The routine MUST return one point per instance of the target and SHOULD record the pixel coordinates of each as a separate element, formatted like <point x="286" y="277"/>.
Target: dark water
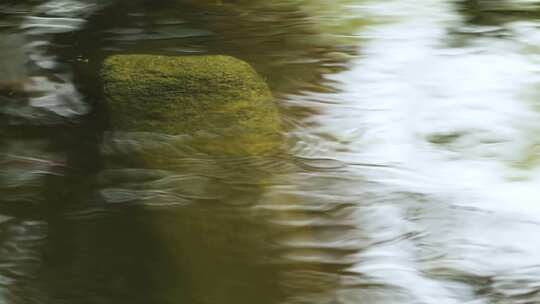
<point x="410" y="171"/>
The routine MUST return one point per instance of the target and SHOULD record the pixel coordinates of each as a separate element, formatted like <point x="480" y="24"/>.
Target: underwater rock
<point x="14" y="74"/>
<point x="218" y="95"/>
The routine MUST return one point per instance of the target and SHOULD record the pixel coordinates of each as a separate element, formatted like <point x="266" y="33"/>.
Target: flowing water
<point x="410" y="171"/>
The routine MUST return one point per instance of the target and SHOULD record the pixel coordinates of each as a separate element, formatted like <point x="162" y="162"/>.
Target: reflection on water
<point x="409" y="175"/>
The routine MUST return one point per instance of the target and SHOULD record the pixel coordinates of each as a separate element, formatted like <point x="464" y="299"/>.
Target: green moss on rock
<point x="220" y="95"/>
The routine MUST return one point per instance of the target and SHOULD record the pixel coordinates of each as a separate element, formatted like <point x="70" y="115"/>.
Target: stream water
<point x="410" y="173"/>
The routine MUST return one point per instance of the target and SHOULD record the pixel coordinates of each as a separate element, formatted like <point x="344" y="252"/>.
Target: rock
<point x="218" y="95"/>
<point x="197" y="95"/>
<point x="13" y="61"/>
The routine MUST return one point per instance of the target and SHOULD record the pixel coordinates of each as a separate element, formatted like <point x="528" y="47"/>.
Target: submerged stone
<point x="219" y="97"/>
<point x="13" y="63"/>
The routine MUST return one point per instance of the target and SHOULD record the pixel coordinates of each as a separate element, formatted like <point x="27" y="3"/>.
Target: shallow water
<point x="409" y="173"/>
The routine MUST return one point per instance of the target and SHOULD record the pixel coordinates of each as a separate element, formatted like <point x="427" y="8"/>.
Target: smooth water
<point x="410" y="171"/>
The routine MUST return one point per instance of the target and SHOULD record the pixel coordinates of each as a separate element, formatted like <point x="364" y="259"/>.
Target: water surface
<point x="409" y="173"/>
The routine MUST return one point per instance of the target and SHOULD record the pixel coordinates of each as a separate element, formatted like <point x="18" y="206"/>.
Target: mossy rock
<point x="195" y="95"/>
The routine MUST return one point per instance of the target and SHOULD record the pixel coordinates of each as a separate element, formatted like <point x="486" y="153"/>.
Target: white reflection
<point x="445" y="120"/>
<point x="51" y="87"/>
